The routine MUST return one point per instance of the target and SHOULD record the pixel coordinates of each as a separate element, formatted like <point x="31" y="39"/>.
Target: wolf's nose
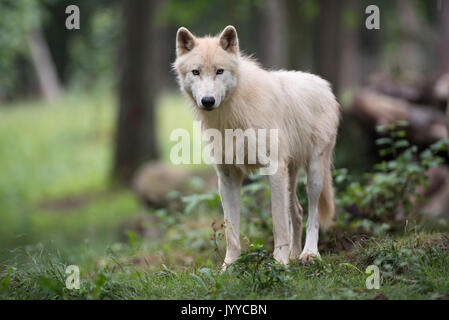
<point x="208" y="102"/>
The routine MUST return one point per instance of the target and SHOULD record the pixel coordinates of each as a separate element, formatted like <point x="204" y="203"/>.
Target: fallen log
<point x="426" y="125"/>
<point x="432" y="90"/>
<point x="420" y="92"/>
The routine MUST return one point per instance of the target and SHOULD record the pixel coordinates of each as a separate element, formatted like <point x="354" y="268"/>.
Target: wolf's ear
<point x="229" y="40"/>
<point x="185" y="41"/>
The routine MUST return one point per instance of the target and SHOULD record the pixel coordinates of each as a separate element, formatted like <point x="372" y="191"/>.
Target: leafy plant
<point x="211" y="199"/>
<point x="392" y="190"/>
<point x="258" y="270"/>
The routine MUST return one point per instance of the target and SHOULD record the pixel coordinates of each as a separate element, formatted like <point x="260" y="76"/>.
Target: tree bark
<point x="443" y="46"/>
<point x="410" y="58"/>
<point x="327" y="45"/>
<point x="349" y="70"/>
<point x="274" y="34"/>
<point x="298" y="34"/>
<point x="44" y="65"/>
<point x="136" y="134"/>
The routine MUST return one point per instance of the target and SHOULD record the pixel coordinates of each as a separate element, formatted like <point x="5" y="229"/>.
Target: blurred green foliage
<point x="218" y="12"/>
<point x="393" y="192"/>
<point x="16" y="18"/>
<point x="93" y="55"/>
<point x="84" y="58"/>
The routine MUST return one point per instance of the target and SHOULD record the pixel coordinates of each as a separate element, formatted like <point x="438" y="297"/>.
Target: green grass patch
<point x="419" y="272"/>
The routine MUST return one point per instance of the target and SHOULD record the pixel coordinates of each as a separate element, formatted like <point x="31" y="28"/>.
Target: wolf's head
<point x="207" y="67"/>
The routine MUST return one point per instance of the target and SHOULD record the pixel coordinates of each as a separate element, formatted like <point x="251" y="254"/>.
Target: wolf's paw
<point x="295" y="254"/>
<point x="281" y="255"/>
<point x="224" y="267"/>
<point x="309" y="257"/>
<point x="227" y="263"/>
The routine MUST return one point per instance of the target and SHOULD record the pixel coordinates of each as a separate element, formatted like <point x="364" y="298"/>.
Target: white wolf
<point x="228" y="90"/>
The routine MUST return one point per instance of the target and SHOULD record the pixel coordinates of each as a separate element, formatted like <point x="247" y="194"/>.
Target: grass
<point x="419" y="272"/>
<point x="57" y="209"/>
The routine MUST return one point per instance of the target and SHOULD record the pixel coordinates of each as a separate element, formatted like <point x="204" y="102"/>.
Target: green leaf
<point x="207" y="273"/>
<point x="199" y="281"/>
<point x="401" y="144"/>
<point x="383" y="141"/>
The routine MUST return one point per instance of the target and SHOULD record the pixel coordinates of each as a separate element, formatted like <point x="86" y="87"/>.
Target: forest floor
<point x="57" y="208"/>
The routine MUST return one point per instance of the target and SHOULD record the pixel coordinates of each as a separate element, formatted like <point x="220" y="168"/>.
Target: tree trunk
<point x="327" y="45"/>
<point x="44" y="65"/>
<point x="274" y="34"/>
<point x="410" y="59"/>
<point x="297" y="36"/>
<point x="443" y="47"/>
<point x="136" y="134"/>
<point x="349" y="71"/>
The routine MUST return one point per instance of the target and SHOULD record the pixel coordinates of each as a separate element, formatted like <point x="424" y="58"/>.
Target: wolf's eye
<point x="219" y="71"/>
<point x="196" y="72"/>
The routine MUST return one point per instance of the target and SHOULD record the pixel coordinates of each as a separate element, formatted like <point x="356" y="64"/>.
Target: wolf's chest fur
<point x="240" y="142"/>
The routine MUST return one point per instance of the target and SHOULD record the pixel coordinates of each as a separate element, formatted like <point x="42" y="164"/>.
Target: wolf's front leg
<point x="229" y="184"/>
<point x="280" y="210"/>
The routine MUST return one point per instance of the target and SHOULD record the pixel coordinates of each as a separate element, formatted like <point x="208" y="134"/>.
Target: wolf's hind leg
<point x="295" y="214"/>
<point x="314" y="187"/>
<point x="229" y="184"/>
<point x="279" y="208"/>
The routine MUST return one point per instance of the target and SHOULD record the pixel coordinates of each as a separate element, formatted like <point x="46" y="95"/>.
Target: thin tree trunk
<point x="443" y="46"/>
<point x="443" y="49"/>
<point x="44" y="65"/>
<point x="274" y="34"/>
<point x="411" y="58"/>
<point x="327" y="45"/>
<point x="349" y="70"/>
<point x="297" y="35"/>
<point x="136" y="134"/>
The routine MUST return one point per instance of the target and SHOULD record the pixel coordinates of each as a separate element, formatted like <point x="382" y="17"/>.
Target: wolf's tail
<point x="326" y="210"/>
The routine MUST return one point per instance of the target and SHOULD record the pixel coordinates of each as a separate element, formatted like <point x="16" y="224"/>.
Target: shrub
<point x="391" y="191"/>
